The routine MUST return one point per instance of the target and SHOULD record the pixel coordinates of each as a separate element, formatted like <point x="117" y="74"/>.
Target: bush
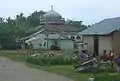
<point x="33" y="60"/>
<point x="59" y="60"/>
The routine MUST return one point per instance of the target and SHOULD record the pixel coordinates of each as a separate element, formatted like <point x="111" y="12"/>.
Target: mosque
<point x="53" y="31"/>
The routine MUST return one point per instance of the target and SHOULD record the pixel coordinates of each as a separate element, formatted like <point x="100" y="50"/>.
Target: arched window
<point x="72" y="37"/>
<point x="78" y="37"/>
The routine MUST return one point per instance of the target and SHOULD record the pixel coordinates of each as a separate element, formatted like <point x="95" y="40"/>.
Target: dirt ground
<point x="15" y="71"/>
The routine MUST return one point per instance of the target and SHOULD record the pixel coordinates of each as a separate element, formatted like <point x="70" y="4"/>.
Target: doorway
<point x="96" y="45"/>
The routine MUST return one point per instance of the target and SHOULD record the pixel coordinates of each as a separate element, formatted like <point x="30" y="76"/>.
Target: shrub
<point x="58" y="60"/>
<point x="33" y="60"/>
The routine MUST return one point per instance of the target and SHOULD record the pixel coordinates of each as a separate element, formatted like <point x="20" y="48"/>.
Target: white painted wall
<point x="37" y="40"/>
<point x="67" y="44"/>
<point x="40" y="35"/>
<point x="64" y="44"/>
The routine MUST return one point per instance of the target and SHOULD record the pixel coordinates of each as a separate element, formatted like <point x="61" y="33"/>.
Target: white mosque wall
<point x="39" y="42"/>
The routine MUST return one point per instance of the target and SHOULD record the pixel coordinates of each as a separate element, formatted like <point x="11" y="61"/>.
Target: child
<point x="95" y="64"/>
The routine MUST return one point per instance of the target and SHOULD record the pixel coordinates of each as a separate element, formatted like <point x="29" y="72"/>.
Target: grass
<point x="14" y="55"/>
<point x="104" y="77"/>
<point x="69" y="72"/>
<point x="66" y="70"/>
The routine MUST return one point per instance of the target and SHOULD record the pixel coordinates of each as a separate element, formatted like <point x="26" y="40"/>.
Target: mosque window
<point x="78" y="37"/>
<point x="72" y="37"/>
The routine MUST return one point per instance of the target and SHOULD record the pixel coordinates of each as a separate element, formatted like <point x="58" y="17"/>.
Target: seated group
<point x="105" y="56"/>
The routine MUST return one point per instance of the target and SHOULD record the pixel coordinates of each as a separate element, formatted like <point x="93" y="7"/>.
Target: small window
<point x="72" y="37"/>
<point x="55" y="42"/>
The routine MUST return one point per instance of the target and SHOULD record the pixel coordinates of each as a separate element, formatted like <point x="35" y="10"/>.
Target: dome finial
<point x="51" y="7"/>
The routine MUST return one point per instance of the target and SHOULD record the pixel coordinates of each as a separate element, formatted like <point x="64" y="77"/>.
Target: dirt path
<point x="14" y="71"/>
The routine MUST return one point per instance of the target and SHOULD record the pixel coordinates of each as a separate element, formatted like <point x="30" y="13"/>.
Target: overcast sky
<point x="89" y="11"/>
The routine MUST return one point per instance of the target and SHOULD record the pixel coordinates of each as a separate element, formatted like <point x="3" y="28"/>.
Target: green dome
<point x="52" y="15"/>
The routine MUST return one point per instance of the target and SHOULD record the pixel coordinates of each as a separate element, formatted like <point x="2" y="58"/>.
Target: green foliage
<point x="13" y="29"/>
<point x="78" y="24"/>
<point x="14" y="55"/>
<point x="59" y="60"/>
<point x="34" y="18"/>
<point x="66" y="70"/>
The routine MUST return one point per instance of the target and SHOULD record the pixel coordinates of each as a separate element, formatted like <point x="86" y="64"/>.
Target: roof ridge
<point x="111" y="18"/>
<point x="103" y="27"/>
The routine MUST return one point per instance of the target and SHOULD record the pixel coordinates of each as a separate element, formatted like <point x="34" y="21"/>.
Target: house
<point x="104" y="35"/>
<point x="53" y="31"/>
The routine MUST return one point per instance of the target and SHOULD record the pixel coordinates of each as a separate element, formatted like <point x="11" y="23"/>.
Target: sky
<point x="88" y="11"/>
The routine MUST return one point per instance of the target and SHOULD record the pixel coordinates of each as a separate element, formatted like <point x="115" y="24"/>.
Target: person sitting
<point x="104" y="56"/>
<point x="81" y="57"/>
<point x="111" y="56"/>
<point x="84" y="55"/>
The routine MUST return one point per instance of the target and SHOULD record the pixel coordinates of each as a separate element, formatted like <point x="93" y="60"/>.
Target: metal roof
<point x="104" y="27"/>
<point x="64" y="29"/>
<point x="55" y="36"/>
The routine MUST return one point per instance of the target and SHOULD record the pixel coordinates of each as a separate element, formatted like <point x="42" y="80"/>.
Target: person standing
<point x="95" y="64"/>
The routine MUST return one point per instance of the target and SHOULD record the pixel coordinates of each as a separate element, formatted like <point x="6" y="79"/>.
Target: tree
<point x="78" y="24"/>
<point x="34" y="18"/>
<point x="13" y="29"/>
<point x="5" y="35"/>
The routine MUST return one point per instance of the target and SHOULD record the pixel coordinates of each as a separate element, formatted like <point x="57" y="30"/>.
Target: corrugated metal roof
<point x="64" y="27"/>
<point x="56" y="28"/>
<point x="35" y="29"/>
<point x="103" y="28"/>
<point x="55" y="36"/>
